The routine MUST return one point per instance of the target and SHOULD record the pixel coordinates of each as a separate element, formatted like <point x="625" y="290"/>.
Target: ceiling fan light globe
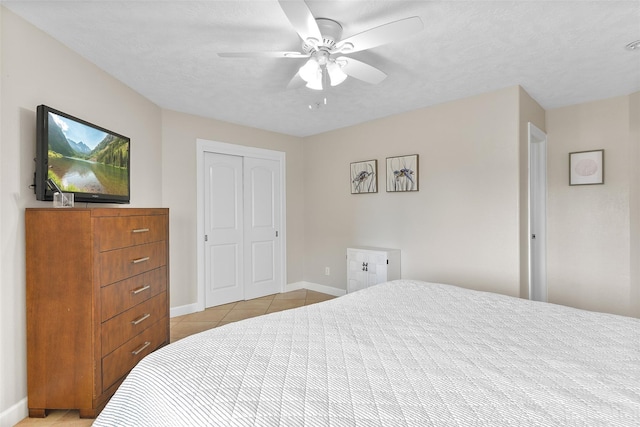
<point x="315" y="85"/>
<point x="336" y="75"/>
<point x="309" y="71"/>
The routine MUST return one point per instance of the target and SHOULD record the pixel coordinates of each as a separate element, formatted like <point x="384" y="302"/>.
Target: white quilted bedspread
<point x="403" y="353"/>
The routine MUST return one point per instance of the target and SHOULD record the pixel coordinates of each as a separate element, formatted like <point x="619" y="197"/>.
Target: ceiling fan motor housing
<point x="331" y="32"/>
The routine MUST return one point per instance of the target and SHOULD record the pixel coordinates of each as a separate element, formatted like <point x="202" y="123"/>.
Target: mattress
<point x="402" y="353"/>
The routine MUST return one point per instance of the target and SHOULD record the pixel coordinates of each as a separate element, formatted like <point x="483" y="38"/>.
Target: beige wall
<point x="589" y="227"/>
<point x="179" y="134"/>
<point x="461" y="227"/>
<point x="38" y="70"/>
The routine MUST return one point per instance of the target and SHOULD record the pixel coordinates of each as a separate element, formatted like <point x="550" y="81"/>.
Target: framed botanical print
<point x="364" y="177"/>
<point x="402" y="173"/>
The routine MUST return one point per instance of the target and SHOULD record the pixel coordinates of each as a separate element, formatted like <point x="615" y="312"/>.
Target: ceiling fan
<point x="325" y="50"/>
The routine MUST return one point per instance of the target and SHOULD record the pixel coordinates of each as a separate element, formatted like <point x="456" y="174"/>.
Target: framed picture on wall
<point x="364" y="177"/>
<point x="586" y="167"/>
<point x="402" y="173"/>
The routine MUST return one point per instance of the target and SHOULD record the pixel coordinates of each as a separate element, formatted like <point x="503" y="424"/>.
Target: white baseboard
<point x="181" y="310"/>
<point x="14" y="414"/>
<point x="330" y="290"/>
<point x="195" y="307"/>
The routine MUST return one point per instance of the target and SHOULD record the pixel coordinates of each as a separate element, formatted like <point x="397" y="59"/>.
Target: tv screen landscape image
<point x="81" y="158"/>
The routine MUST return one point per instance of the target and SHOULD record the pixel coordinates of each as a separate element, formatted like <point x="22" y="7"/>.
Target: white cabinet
<point x="367" y="266"/>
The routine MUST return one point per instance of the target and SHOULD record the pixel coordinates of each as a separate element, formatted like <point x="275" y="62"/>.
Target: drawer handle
<point x="142" y="347"/>
<point x="140" y="319"/>
<point x="142" y="289"/>
<point x="139" y="260"/>
<point x="140" y="230"/>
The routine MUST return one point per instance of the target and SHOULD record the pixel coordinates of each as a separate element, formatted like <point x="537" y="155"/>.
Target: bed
<point x="402" y="353"/>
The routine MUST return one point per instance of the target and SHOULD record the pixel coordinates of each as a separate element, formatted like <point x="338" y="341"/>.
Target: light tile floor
<point x="190" y="324"/>
<point x="221" y="315"/>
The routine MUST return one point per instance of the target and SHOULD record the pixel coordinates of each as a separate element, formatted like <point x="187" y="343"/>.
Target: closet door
<point x="242" y="213"/>
<point x="262" y="216"/>
<point x="224" y="223"/>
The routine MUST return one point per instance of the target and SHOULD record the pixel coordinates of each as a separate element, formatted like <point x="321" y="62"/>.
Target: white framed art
<point x="586" y="167"/>
<point x="364" y="177"/>
<point x="402" y="173"/>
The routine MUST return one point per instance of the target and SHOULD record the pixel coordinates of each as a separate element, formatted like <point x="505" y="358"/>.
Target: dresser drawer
<point x="121" y="361"/>
<point x="121" y="232"/>
<point x="123" y="295"/>
<point x="125" y="326"/>
<point x="121" y="264"/>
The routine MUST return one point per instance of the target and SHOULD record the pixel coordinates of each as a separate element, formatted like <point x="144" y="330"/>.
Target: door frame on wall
<point x="203" y="146"/>
<point x="537" y="190"/>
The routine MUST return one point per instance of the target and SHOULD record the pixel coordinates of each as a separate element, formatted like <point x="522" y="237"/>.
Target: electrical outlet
<point x="327" y="271"/>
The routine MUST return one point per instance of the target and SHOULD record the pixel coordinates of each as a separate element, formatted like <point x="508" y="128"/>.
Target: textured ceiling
<point x="560" y="52"/>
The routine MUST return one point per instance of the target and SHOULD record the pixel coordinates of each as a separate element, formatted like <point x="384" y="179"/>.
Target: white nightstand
<point x="368" y="266"/>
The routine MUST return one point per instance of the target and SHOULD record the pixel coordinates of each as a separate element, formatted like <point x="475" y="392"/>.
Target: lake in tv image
<point x="85" y="159"/>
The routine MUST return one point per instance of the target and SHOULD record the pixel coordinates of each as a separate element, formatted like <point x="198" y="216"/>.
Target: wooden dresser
<point x="97" y="302"/>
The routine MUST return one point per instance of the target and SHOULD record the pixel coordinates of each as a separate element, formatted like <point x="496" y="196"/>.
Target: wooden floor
<point x="190" y="324"/>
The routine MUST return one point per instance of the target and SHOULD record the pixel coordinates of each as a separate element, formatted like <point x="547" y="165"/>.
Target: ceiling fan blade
<point x="263" y="55"/>
<point x="301" y="18"/>
<point x="387" y="33"/>
<point x="361" y="71"/>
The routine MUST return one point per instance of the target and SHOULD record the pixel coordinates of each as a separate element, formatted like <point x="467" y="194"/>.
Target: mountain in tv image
<point x="87" y="160"/>
<point x="79" y="147"/>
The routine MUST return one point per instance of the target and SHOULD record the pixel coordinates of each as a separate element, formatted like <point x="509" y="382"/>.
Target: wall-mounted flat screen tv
<point x="81" y="158"/>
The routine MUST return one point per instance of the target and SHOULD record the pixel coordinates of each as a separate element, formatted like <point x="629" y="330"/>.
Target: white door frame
<point x="537" y="218"/>
<point x="202" y="146"/>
